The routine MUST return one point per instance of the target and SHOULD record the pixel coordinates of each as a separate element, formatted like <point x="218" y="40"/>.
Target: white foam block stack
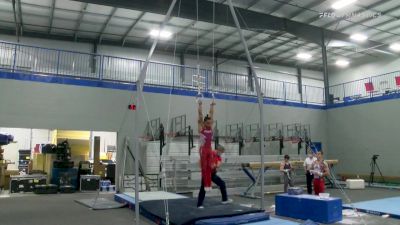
<point x="355" y="184"/>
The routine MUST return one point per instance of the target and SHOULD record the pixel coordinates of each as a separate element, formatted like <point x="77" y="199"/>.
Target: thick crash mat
<point x="185" y="212"/>
<point x="241" y="219"/>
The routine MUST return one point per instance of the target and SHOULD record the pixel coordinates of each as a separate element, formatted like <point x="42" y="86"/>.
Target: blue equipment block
<point x="5" y="139"/>
<point x="70" y="174"/>
<point x="309" y="207"/>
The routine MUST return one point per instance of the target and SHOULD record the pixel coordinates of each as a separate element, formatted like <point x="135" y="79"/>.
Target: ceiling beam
<point x="132" y="27"/>
<point x="103" y="28"/>
<point x="205" y="33"/>
<point x="188" y="11"/>
<point x="258" y="21"/>
<point x="214" y="43"/>
<point x="278" y="34"/>
<point x="183" y="30"/>
<point x="220" y="40"/>
<point x="53" y="6"/>
<point x="270" y="37"/>
<point x="278" y="7"/>
<point x="252" y="3"/>
<point x="79" y="21"/>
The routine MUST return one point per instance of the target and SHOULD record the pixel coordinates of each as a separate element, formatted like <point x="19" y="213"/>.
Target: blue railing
<point x="54" y="62"/>
<point x="383" y="85"/>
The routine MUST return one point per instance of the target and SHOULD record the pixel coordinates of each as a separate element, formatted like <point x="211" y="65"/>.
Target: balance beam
<point x="276" y="165"/>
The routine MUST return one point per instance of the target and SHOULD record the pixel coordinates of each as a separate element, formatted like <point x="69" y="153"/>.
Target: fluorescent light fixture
<point x="304" y="56"/>
<point x="395" y="47"/>
<point x="164" y="34"/>
<point x="342" y="3"/>
<point x="342" y="63"/>
<point x="359" y="37"/>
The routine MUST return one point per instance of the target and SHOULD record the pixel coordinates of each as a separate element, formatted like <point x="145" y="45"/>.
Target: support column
<point x="325" y="68"/>
<point x="182" y="63"/>
<point x="300" y="83"/>
<point x="259" y="97"/>
<point x="216" y="68"/>
<point x="93" y="58"/>
<point x="250" y="79"/>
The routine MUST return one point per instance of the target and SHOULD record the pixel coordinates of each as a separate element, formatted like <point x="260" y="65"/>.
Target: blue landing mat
<point x="386" y="206"/>
<point x="236" y="216"/>
<point x="274" y="221"/>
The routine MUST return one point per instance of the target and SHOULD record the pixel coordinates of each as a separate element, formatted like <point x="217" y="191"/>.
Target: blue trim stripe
<point x="366" y="100"/>
<point x="68" y="80"/>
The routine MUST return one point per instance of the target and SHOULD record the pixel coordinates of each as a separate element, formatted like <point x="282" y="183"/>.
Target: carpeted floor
<point x="61" y="209"/>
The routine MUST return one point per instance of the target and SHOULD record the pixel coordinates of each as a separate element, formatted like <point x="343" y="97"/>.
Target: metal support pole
<point x="325" y="67"/>
<point x="250" y="79"/>
<point x="299" y="83"/>
<point x="216" y="68"/>
<point x="15" y="57"/>
<point x="139" y="92"/>
<point x="182" y="73"/>
<point x="93" y="58"/>
<point x="58" y="61"/>
<point x="259" y="95"/>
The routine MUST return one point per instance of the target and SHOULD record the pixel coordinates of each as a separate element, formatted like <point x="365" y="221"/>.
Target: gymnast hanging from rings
<point x="210" y="160"/>
<point x="206" y="134"/>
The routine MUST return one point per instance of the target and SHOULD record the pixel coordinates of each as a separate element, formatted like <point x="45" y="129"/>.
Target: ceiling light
<point x="342" y="3"/>
<point x="164" y="34"/>
<point x="342" y="63"/>
<point x="395" y="47"/>
<point x="359" y="37"/>
<point x="304" y="56"/>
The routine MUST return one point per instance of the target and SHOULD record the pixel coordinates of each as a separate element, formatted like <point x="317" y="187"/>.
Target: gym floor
<point x="62" y="210"/>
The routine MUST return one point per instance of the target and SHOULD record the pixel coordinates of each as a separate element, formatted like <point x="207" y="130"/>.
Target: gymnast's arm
<point x="327" y="170"/>
<point x="200" y="116"/>
<point x="211" y="113"/>
<point x="282" y="166"/>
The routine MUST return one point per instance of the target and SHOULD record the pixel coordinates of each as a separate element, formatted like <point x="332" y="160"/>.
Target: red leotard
<point x="206" y="156"/>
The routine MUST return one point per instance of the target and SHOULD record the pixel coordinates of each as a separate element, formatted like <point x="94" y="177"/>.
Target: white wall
<point x="358" y="132"/>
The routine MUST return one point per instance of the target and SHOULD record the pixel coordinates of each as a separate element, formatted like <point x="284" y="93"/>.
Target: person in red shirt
<point x="217" y="161"/>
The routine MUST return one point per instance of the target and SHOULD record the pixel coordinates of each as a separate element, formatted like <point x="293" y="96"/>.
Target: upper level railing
<point x="24" y="58"/>
<point x="366" y="88"/>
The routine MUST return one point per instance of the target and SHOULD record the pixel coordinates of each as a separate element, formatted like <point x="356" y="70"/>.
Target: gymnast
<point x="205" y="150"/>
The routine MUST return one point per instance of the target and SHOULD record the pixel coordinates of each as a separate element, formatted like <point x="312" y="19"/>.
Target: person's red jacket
<point x="216" y="161"/>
